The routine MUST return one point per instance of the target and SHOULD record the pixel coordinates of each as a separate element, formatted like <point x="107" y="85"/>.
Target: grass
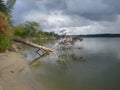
<point x="4" y="42"/>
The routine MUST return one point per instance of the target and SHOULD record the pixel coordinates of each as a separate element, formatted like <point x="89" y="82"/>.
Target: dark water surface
<point x="95" y="67"/>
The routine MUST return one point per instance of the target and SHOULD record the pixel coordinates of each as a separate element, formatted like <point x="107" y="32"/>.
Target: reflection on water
<point x="67" y="55"/>
<point x="95" y="67"/>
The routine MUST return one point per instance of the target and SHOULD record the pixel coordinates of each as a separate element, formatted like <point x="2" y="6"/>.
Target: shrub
<point x="20" y="31"/>
<point x="5" y="34"/>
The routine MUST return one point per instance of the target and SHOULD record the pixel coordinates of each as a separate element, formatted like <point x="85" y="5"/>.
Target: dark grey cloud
<point x="90" y="9"/>
<point x="94" y="9"/>
<point x="68" y="13"/>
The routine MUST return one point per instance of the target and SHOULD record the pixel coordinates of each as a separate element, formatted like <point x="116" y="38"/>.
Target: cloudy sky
<point x="76" y="16"/>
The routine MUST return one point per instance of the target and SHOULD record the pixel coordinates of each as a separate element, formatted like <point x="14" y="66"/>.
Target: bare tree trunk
<point x="32" y="44"/>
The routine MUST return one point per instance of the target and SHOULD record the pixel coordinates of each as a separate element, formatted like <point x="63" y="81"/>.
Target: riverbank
<point x="13" y="67"/>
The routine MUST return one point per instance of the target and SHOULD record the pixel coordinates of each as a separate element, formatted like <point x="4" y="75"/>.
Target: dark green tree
<point x="9" y="5"/>
<point x="3" y="7"/>
<point x="6" y="8"/>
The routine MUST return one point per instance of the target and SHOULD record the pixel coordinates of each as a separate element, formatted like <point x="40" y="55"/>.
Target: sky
<point x="75" y="16"/>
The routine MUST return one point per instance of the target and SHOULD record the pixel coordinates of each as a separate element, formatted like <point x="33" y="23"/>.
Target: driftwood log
<point x="32" y="44"/>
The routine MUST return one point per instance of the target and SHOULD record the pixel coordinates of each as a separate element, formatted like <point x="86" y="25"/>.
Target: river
<point x="94" y="67"/>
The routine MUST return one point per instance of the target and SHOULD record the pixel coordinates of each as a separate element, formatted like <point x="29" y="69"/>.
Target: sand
<point x="13" y="67"/>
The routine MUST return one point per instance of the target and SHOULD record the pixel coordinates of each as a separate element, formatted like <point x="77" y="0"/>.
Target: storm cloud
<point x="82" y="16"/>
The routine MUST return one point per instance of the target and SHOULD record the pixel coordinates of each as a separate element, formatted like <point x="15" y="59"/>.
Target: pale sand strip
<point x="12" y="70"/>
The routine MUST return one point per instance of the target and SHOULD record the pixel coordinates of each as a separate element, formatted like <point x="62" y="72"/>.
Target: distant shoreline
<point x="96" y="35"/>
<point x="101" y="35"/>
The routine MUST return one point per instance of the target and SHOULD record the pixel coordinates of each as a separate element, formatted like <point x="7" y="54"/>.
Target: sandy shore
<point x="12" y="70"/>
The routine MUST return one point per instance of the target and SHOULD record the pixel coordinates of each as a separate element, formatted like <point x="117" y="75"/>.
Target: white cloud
<point x="90" y="29"/>
<point x="58" y="19"/>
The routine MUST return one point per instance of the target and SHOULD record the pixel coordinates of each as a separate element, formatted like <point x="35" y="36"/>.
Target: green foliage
<point x="20" y="31"/>
<point x="31" y="29"/>
<point x="6" y="10"/>
<point x="5" y="34"/>
<point x="5" y="31"/>
<point x="3" y="7"/>
<point x="26" y="30"/>
<point x="4" y="42"/>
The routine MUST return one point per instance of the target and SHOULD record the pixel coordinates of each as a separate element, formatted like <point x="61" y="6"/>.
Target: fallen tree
<point x="32" y="44"/>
